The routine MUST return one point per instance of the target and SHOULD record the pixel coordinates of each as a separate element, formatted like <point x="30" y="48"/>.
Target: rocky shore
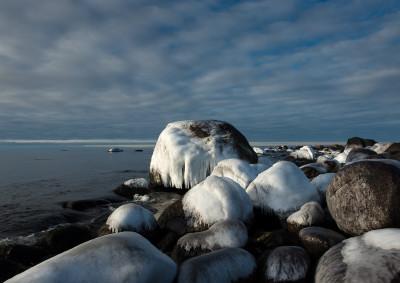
<point x="217" y="210"/>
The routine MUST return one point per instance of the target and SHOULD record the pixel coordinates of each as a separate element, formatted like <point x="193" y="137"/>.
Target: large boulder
<point x="282" y="189"/>
<point x="317" y="240"/>
<point x="226" y="265"/>
<point x="359" y="142"/>
<point x="372" y="257"/>
<point x="365" y="196"/>
<point x="187" y="151"/>
<point x="122" y="257"/>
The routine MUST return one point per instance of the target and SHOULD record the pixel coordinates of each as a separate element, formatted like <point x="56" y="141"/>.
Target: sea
<point x="38" y="177"/>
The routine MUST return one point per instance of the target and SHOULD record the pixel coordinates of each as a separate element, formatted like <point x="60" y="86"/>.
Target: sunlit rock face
<point x="187" y="151"/>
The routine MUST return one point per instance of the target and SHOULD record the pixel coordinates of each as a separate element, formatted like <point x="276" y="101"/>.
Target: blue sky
<point x="276" y="70"/>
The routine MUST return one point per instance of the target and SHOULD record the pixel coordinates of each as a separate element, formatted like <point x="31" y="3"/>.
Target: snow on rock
<point x="239" y="170"/>
<point x="310" y="214"/>
<point x="381" y="147"/>
<point x="187" y="151"/>
<point x="282" y="189"/>
<point x="372" y="257"/>
<point x="226" y="265"/>
<point x="341" y="158"/>
<point x="306" y="152"/>
<point x="137" y="183"/>
<point x="321" y="183"/>
<point x="223" y="234"/>
<point x="131" y="217"/>
<point x="122" y="257"/>
<point x="258" y="150"/>
<point x="216" y="199"/>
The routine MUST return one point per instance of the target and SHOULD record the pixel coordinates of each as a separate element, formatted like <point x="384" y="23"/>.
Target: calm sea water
<point x="35" y="180"/>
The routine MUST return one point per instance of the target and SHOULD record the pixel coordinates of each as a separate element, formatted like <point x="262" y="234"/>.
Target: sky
<point x="276" y="70"/>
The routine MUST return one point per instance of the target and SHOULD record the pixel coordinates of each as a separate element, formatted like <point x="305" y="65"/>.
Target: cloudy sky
<point x="277" y="70"/>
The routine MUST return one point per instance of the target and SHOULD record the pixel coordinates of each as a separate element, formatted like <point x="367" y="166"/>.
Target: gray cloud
<point x="124" y="69"/>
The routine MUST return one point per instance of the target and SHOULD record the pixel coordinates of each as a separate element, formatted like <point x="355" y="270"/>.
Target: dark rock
<point x="168" y="242"/>
<point x="128" y="192"/>
<point x="226" y="265"/>
<point x="317" y="240"/>
<point x="280" y="238"/>
<point x="226" y="138"/>
<point x="360" y="153"/>
<point x="23" y="254"/>
<point x="372" y="257"/>
<point x="359" y="142"/>
<point x="9" y="269"/>
<point x="394" y="156"/>
<point x="64" y="238"/>
<point x="329" y="165"/>
<point x="336" y="147"/>
<point x="365" y="196"/>
<point x="312" y="170"/>
<point x="81" y="205"/>
<point x="393" y="148"/>
<point x="173" y="218"/>
<point x="283" y="264"/>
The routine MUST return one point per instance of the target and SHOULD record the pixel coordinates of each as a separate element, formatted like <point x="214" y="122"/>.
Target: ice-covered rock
<point x="306" y="152"/>
<point x="223" y="234"/>
<point x="216" y="199"/>
<point x="131" y="187"/>
<point x="341" y="157"/>
<point x="372" y="257"/>
<point x="321" y="183"/>
<point x="137" y="183"/>
<point x="239" y="171"/>
<point x="226" y="265"/>
<point x="282" y="189"/>
<point x="131" y="217"/>
<point x="187" y="151"/>
<point x="317" y="240"/>
<point x="365" y="196"/>
<point x="258" y="150"/>
<point x="312" y="170"/>
<point x="310" y="214"/>
<point x="122" y="257"/>
<point x="359" y="153"/>
<point x="284" y="264"/>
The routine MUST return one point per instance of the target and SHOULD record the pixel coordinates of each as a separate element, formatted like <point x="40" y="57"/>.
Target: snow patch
<point x="131" y="217"/>
<point x="321" y="183"/>
<point x="223" y="234"/>
<point x="306" y="152"/>
<point x="216" y="199"/>
<point x="341" y="158"/>
<point x="386" y="239"/>
<point x="380" y="147"/>
<point x="283" y="189"/>
<point x="238" y="170"/>
<point x="122" y="257"/>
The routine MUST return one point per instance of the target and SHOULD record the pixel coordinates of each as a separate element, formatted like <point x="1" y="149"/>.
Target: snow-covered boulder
<point x="321" y="183"/>
<point x="282" y="189"/>
<point x="258" y="150"/>
<point x="284" y="264"/>
<point x="239" y="170"/>
<point x="365" y="196"/>
<point x="359" y="153"/>
<point x="372" y="257"/>
<point x="223" y="234"/>
<point x="122" y="257"/>
<point x="187" y="151"/>
<point x="310" y="214"/>
<point x="216" y="199"/>
<point x="306" y="152"/>
<point x="317" y="240"/>
<point x="226" y="265"/>
<point x="131" y="217"/>
<point x="131" y="187"/>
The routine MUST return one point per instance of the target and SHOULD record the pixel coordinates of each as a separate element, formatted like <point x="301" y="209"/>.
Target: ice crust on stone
<point x="306" y="152"/>
<point x="122" y="257"/>
<point x="183" y="160"/>
<point x="216" y="199"/>
<point x="258" y="150"/>
<point x="282" y="189"/>
<point x="321" y="183"/>
<point x="137" y="183"/>
<point x="238" y="170"/>
<point x="309" y="214"/>
<point x="223" y="234"/>
<point x="372" y="257"/>
<point x="226" y="265"/>
<point x="131" y="217"/>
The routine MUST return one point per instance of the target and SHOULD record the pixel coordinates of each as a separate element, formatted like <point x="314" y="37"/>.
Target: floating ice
<point x="238" y="170"/>
<point x="306" y="152"/>
<point x="131" y="217"/>
<point x="223" y="234"/>
<point x="283" y="189"/>
<point x="216" y="199"/>
<point x="122" y="257"/>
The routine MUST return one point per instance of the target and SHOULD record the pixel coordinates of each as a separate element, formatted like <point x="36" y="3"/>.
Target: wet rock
<point x="317" y="240"/>
<point x="9" y="269"/>
<point x="22" y="254"/>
